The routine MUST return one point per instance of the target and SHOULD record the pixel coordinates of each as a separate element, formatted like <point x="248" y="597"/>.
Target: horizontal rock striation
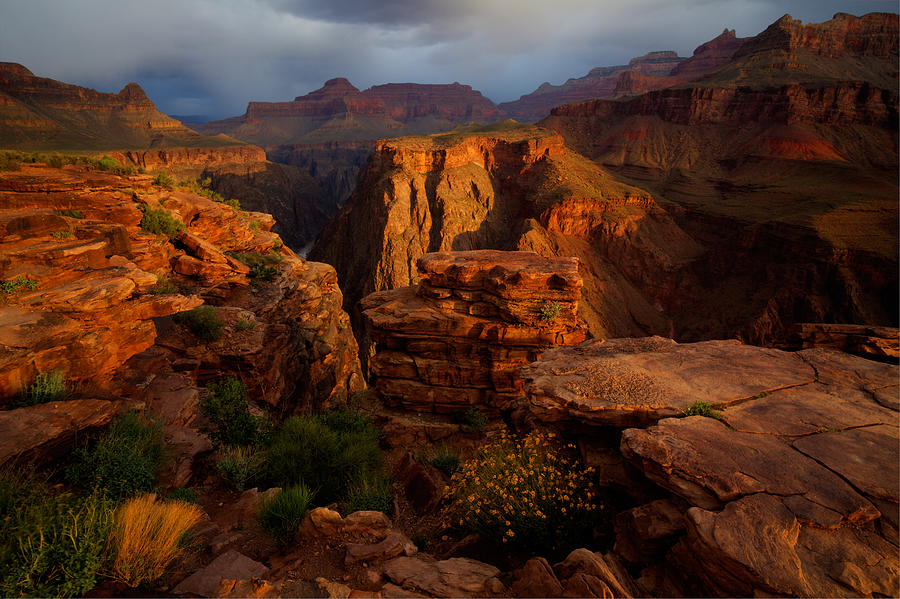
<point x="457" y="339"/>
<point x="788" y="487"/>
<point x="95" y="306"/>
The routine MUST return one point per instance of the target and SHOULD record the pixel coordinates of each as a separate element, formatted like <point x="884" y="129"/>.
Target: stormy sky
<point x="211" y="57"/>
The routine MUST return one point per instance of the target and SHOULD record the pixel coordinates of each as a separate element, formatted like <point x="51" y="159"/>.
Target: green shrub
<point x="373" y="492"/>
<point x="164" y="179"/>
<point x="10" y="161"/>
<point x="122" y="462"/>
<point x="446" y="462"/>
<point x="472" y="420"/>
<point x="701" y="408"/>
<point x="17" y="284"/>
<point x="234" y="203"/>
<point x="262" y="266"/>
<point x="239" y="466"/>
<point x="549" y="311"/>
<point x="525" y="493"/>
<point x="65" y="234"/>
<point x="165" y="286"/>
<point x="47" y="386"/>
<point x="203" y="321"/>
<point x="51" y="545"/>
<point x="281" y="515"/>
<point x="244" y="325"/>
<point x="228" y="411"/>
<point x="254" y="225"/>
<point x="306" y="449"/>
<point x="184" y="494"/>
<point x="161" y="223"/>
<point x="70" y="213"/>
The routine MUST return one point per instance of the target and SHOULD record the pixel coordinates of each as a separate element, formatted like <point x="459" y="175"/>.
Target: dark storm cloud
<point x="213" y="56"/>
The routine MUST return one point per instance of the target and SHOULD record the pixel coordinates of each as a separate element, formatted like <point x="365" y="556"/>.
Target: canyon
<point x="683" y="280"/>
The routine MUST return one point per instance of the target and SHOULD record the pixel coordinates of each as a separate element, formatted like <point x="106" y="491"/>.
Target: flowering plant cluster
<point x="530" y="493"/>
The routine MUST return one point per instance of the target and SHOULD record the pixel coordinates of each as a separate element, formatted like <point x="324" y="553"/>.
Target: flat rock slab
<point x="41" y="433"/>
<point x="454" y="577"/>
<point x="633" y="382"/>
<point x="231" y="565"/>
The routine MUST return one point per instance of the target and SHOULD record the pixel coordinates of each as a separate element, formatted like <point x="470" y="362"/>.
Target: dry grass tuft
<point x="147" y="535"/>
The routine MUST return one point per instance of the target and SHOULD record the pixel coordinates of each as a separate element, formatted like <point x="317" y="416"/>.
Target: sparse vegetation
<point x="70" y="213"/>
<point x="244" y="325"/>
<point x="701" y="408"/>
<point x="239" y="465"/>
<point x="472" y="420"/>
<point x="262" y="266"/>
<point x="254" y="225"/>
<point x="165" y="286"/>
<point x="282" y="514"/>
<point x="203" y="321"/>
<point x="526" y="493"/>
<point x="444" y="460"/>
<point x="550" y="311"/>
<point x="51" y="544"/>
<point x="64" y="234"/>
<point x="374" y="492"/>
<point x="12" y="160"/>
<point x="185" y="494"/>
<point x="123" y="461"/>
<point x="18" y="284"/>
<point x="146" y="537"/>
<point x="160" y="222"/>
<point x="328" y="453"/>
<point x="228" y="411"/>
<point x="47" y="386"/>
<point x="164" y="179"/>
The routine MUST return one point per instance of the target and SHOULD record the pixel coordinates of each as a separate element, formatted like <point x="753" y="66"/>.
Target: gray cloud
<point x="212" y="57"/>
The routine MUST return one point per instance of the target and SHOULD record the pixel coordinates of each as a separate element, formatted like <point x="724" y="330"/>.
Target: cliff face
<point x="656" y="70"/>
<point x="340" y="112"/>
<point x="41" y="113"/>
<point x="764" y="162"/>
<point x="94" y="309"/>
<point x="515" y="188"/>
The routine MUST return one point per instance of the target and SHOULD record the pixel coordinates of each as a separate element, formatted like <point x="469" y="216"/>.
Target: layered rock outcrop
<point x="94" y="287"/>
<point x="789" y="486"/>
<point x="458" y="339"/>
<point x="42" y="113"/>
<point x="508" y="188"/>
<point x="734" y="154"/>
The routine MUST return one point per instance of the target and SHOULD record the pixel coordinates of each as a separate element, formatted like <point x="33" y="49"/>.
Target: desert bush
<point x="549" y="311"/>
<point x="146" y="537"/>
<point x="17" y="284"/>
<point x="306" y="449"/>
<point x="70" y="213"/>
<point x="185" y="494"/>
<point x="10" y="161"/>
<point x="228" y="411"/>
<point x="203" y="321"/>
<point x="472" y="420"/>
<point x="239" y="465"/>
<point x="64" y="234"/>
<point x="701" y="408"/>
<point x="444" y="460"/>
<point x="526" y="493"/>
<point x="47" y="386"/>
<point x="164" y="179"/>
<point x="282" y="513"/>
<point x="165" y="286"/>
<point x="373" y="492"/>
<point x="51" y="545"/>
<point x="123" y="461"/>
<point x="262" y="266"/>
<point x="244" y="325"/>
<point x="160" y="222"/>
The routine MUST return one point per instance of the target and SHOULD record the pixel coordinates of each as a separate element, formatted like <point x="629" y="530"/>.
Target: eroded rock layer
<point x="87" y="290"/>
<point x="789" y="486"/>
<point x="458" y="339"/>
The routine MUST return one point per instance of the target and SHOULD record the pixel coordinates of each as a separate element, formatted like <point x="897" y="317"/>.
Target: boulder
<point x="454" y="577"/>
<point x="231" y="565"/>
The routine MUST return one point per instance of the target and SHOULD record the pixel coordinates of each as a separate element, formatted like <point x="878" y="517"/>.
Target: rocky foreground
<point x="91" y="290"/>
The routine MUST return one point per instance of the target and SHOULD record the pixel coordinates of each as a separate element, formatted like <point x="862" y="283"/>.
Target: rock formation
<point x="457" y="340"/>
<point x="764" y="157"/>
<point x="655" y="70"/>
<point x="508" y="187"/>
<point x="89" y="303"/>
<point x="41" y="113"/>
<point x="789" y="487"/>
